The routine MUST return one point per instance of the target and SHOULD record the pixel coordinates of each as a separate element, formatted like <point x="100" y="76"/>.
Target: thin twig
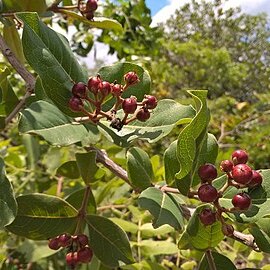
<point x="111" y="206"/>
<point x="23" y="72"/>
<point x="210" y="260"/>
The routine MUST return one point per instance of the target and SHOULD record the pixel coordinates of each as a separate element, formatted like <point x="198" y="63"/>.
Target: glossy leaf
<point x="202" y="237"/>
<point x="8" y="204"/>
<point x="50" y="56"/>
<point x="190" y="142"/>
<point x="160" y="124"/>
<point x="221" y="262"/>
<point x="75" y="199"/>
<point x="108" y="241"/>
<point x="41" y="217"/>
<point x="139" y="167"/>
<point x="97" y="22"/>
<point x="46" y="120"/>
<point x="260" y="201"/>
<point x="87" y="166"/>
<point x="163" y="207"/>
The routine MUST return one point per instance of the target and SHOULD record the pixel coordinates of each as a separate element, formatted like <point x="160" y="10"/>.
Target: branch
<point x="23" y="72"/>
<point x="246" y="239"/>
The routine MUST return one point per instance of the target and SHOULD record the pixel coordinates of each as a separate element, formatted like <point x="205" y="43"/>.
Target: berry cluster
<point x="97" y="90"/>
<point x="239" y="175"/>
<point x="88" y="9"/>
<point x="77" y="246"/>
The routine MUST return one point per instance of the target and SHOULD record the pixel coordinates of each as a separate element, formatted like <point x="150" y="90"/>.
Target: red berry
<point x="72" y="259"/>
<point x="75" y="104"/>
<point x="129" y="105"/>
<point x="79" y="90"/>
<point x="85" y="255"/>
<point x="207" y="216"/>
<point x="117" y="89"/>
<point x="143" y="114"/>
<point x="105" y="88"/>
<point x="242" y="201"/>
<point x="94" y="84"/>
<point x="82" y="240"/>
<point x="131" y="78"/>
<point x="54" y="243"/>
<point x="151" y="102"/>
<point x="226" y="165"/>
<point x="207" y="172"/>
<point x="256" y="179"/>
<point x="207" y="193"/>
<point x="89" y="15"/>
<point x="239" y="157"/>
<point x="64" y="240"/>
<point x="242" y="174"/>
<point x="91" y="5"/>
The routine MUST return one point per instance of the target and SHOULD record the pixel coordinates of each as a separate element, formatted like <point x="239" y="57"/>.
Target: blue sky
<point x="156" y="5"/>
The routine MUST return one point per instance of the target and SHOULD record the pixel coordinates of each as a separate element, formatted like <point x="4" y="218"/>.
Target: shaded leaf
<point x="8" y="204"/>
<point x="42" y="216"/>
<point x="163" y="208"/>
<point x="139" y="167"/>
<point x="69" y="169"/>
<point x="108" y="241"/>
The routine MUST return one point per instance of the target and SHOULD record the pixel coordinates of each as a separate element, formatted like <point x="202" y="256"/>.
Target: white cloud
<point x="248" y="6"/>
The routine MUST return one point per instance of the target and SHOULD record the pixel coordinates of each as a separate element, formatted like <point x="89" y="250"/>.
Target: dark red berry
<point x="79" y="90"/>
<point x="207" y="216"/>
<point x="105" y="88"/>
<point x="226" y="165"/>
<point x="117" y="89"/>
<point x="75" y="104"/>
<point x="207" y="172"/>
<point x="239" y="157"/>
<point x="94" y="84"/>
<point x="207" y="193"/>
<point x="85" y="255"/>
<point x="131" y="78"/>
<point x="242" y="174"/>
<point x="227" y="229"/>
<point x="72" y="259"/>
<point x="64" y="240"/>
<point x="256" y="179"/>
<point x="150" y="102"/>
<point x="143" y="114"/>
<point x="54" y="243"/>
<point x="82" y="240"/>
<point x="91" y="5"/>
<point x="129" y="105"/>
<point x="241" y="201"/>
<point x="89" y="15"/>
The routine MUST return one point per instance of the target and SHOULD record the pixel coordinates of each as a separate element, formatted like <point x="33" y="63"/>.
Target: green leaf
<point x="98" y="22"/>
<point x="190" y="142"/>
<point x="69" y="169"/>
<point x="139" y="167"/>
<point x="160" y="124"/>
<point x="127" y="226"/>
<point x="145" y="265"/>
<point x="261" y="238"/>
<point x="202" y="237"/>
<point x="34" y="5"/>
<point x="75" y="199"/>
<point x="157" y="247"/>
<point x="49" y="54"/>
<point x="8" y="204"/>
<point x="148" y="231"/>
<point x="221" y="262"/>
<point x="109" y="243"/>
<point x="46" y="120"/>
<point x="260" y="201"/>
<point x="12" y="38"/>
<point x="32" y="148"/>
<point x="87" y="166"/>
<point x="163" y="208"/>
<point x="42" y="216"/>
